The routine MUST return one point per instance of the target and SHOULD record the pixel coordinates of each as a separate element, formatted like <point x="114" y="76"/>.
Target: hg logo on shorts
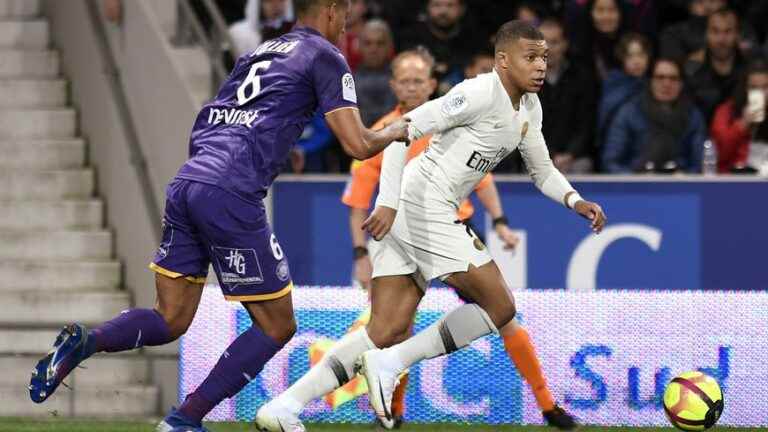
<point x="236" y="261"/>
<point x="238" y="266"/>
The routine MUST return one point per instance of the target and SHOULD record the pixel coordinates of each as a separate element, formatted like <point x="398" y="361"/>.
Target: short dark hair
<point x="724" y="12"/>
<point x="514" y="30"/>
<point x="303" y="6"/>
<point x="677" y="63"/>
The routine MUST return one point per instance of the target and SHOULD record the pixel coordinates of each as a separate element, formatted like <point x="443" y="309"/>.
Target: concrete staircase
<point x="56" y="256"/>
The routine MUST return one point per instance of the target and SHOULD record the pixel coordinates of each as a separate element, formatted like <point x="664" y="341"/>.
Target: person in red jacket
<point x="735" y="125"/>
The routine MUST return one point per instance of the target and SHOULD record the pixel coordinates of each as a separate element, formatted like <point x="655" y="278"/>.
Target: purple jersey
<point x="241" y="140"/>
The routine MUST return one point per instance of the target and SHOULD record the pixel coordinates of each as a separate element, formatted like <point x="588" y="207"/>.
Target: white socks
<point x="453" y="331"/>
<point x="333" y="371"/>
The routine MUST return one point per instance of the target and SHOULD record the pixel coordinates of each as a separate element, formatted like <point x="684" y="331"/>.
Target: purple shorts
<point x="205" y="225"/>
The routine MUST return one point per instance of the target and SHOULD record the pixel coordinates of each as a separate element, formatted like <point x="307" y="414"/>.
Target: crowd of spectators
<point x="632" y="86"/>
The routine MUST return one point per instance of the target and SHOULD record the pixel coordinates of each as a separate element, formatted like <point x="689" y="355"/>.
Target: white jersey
<point x="474" y="127"/>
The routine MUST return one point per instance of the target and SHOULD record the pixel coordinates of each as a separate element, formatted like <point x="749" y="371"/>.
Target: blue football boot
<point x="69" y="350"/>
<point x="176" y="422"/>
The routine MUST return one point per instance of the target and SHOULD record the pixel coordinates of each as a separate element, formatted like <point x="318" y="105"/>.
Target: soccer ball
<point x="693" y="401"/>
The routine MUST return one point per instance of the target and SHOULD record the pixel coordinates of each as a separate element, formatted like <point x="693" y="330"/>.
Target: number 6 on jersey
<point x="252" y="80"/>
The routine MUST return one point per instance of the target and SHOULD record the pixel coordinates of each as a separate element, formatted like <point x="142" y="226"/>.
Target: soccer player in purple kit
<point x="214" y="212"/>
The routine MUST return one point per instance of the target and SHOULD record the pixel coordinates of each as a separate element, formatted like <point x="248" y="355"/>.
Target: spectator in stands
<point x="446" y="36"/>
<point x="659" y="130"/>
<point x="680" y="40"/>
<point x="736" y="124"/>
<point x="757" y="15"/>
<point x="714" y="79"/>
<point x="309" y="154"/>
<point x="529" y="12"/>
<point x="481" y="62"/>
<point x="349" y="43"/>
<point x="621" y="85"/>
<point x="374" y="94"/>
<point x="264" y="20"/>
<point x="567" y="98"/>
<point x="596" y="37"/>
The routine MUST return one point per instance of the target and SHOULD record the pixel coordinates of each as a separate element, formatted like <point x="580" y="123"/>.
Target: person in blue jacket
<point x="659" y="130"/>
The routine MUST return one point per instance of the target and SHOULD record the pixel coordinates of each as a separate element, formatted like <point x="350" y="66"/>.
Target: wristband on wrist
<point x="571" y="198"/>
<point x="500" y="220"/>
<point x="359" y="252"/>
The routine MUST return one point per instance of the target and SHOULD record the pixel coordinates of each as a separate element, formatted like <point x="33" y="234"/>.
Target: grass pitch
<point x="62" y="425"/>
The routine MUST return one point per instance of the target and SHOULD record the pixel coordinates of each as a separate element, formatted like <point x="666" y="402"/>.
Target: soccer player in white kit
<point x="476" y="125"/>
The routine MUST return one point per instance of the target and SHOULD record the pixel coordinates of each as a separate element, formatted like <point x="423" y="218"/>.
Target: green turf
<point x="62" y="425"/>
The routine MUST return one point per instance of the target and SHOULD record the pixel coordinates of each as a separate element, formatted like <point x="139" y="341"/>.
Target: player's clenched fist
<point x="592" y="212"/>
<point x="379" y="222"/>
<point x="398" y="130"/>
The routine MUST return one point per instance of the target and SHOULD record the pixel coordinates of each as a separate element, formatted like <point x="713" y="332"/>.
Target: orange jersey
<point x="365" y="174"/>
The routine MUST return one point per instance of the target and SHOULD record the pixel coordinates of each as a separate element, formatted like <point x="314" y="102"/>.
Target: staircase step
<point x="60" y="276"/>
<point x="28" y="341"/>
<point x="43" y="154"/>
<point x="55" y="245"/>
<point x="33" y="93"/>
<point x="24" y="34"/>
<point x="93" y="401"/>
<point x="19" y="8"/>
<point x="103" y="370"/>
<point x="34" y="342"/>
<point x="42" y="185"/>
<point x="54" y="308"/>
<point x="28" y="64"/>
<point x="37" y="123"/>
<point x="51" y="215"/>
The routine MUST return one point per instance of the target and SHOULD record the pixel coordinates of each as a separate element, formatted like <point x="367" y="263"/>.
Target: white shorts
<point x="427" y="243"/>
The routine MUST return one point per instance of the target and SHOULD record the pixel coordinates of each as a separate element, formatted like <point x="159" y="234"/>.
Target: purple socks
<point x="239" y="364"/>
<point x="133" y="328"/>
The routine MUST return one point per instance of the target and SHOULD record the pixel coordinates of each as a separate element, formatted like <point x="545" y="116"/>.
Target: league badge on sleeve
<point x="454" y="104"/>
<point x="348" y="88"/>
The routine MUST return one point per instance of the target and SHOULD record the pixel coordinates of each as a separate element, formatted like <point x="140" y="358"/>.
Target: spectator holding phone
<point x="741" y="120"/>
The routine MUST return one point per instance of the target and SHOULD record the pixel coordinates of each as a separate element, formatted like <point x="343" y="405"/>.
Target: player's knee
<point x="176" y="321"/>
<point x="384" y="336"/>
<point x="282" y="332"/>
<point x="502" y="313"/>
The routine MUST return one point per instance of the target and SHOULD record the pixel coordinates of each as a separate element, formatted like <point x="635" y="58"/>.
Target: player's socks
<point x="133" y="328"/>
<point x="239" y="364"/>
<point x="522" y="352"/>
<point x="453" y="331"/>
<point x="334" y="370"/>
<point x="398" y="398"/>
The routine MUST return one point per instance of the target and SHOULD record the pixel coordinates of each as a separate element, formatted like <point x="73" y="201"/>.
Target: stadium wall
<point x="668" y="233"/>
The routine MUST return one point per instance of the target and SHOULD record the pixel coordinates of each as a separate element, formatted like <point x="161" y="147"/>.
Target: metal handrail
<point x="217" y="45"/>
<point x="138" y="160"/>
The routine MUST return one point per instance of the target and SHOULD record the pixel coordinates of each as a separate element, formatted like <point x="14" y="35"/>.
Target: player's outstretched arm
<point x="549" y="180"/>
<point x="357" y="140"/>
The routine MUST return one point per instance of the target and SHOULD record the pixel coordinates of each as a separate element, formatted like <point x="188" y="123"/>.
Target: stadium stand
<point x="56" y="254"/>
